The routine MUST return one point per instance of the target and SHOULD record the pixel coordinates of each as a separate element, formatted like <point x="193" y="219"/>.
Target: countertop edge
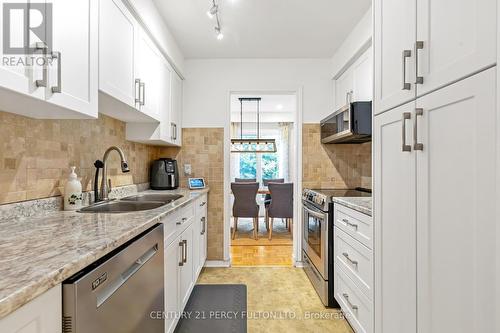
<point x="29" y="292"/>
<point x="350" y="203"/>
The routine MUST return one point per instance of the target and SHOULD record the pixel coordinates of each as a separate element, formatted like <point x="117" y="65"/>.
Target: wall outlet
<point x="187" y="169"/>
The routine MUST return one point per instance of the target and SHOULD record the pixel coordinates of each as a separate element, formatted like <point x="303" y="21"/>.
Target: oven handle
<point x="314" y="212"/>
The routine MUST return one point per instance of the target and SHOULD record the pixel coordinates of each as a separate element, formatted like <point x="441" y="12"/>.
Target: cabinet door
<point x="455" y="207"/>
<point x="148" y="65"/>
<point x="73" y="74"/>
<point x="187" y="271"/>
<point x="394" y="34"/>
<point x="117" y="37"/>
<point x="165" y="107"/>
<point x="14" y="74"/>
<point x="41" y="315"/>
<point x="344" y="86"/>
<point x="172" y="283"/>
<point x="362" y="73"/>
<point x="459" y="38"/>
<point x="204" y="230"/>
<point x="395" y="223"/>
<point x="176" y="120"/>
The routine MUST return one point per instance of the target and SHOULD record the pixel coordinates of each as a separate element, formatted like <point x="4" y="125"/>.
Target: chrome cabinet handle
<point x="416" y="144"/>
<point x="185" y="250"/>
<point x="405" y="147"/>
<point x="137" y="91"/>
<point x="354" y="225"/>
<point x="406" y="54"/>
<point x="175" y="131"/>
<point x="203" y="203"/>
<point x="181" y="244"/>
<point x="58" y="87"/>
<point x="352" y="306"/>
<point x="203" y="225"/>
<point x="419" y="45"/>
<point x="44" y="48"/>
<point x="346" y="255"/>
<point x="142" y="87"/>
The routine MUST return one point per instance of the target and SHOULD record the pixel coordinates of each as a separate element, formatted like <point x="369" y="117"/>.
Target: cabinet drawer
<point x="356" y="306"/>
<point x="357" y="225"/>
<point x="355" y="259"/>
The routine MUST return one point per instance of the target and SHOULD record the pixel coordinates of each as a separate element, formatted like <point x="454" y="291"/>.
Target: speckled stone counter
<point x="37" y="253"/>
<point x="362" y="204"/>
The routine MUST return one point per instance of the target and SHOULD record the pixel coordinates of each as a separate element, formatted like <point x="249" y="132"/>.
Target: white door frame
<point x="297" y="180"/>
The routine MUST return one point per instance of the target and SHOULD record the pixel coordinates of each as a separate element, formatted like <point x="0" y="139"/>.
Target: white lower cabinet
<point x="184" y="248"/>
<point x="41" y="315"/>
<point x="435" y="245"/>
<point x="353" y="270"/>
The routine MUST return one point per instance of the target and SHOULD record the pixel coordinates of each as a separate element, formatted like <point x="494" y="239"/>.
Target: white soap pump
<point x="73" y="197"/>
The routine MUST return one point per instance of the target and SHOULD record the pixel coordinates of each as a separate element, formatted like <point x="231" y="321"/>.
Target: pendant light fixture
<point x="257" y="145"/>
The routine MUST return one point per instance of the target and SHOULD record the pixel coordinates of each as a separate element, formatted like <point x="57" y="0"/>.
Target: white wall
<point x="208" y="83"/>
<point x="152" y="18"/>
<point x="353" y="46"/>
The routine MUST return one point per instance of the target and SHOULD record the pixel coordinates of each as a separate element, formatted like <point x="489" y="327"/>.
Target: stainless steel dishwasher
<point x="122" y="292"/>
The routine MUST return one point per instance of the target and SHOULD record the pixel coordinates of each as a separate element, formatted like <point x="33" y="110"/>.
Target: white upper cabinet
<point x="455" y="236"/>
<point x="117" y="35"/>
<point x="73" y="74"/>
<point x="355" y="84"/>
<point x="148" y="67"/>
<point x="421" y="46"/>
<point x="394" y="40"/>
<point x="457" y="39"/>
<point x="176" y="109"/>
<point x="56" y="80"/>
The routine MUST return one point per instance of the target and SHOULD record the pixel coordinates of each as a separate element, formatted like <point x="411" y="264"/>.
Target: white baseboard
<point x="299" y="264"/>
<point x="217" y="263"/>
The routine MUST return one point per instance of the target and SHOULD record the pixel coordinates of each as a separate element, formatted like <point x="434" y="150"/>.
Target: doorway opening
<point x="267" y="239"/>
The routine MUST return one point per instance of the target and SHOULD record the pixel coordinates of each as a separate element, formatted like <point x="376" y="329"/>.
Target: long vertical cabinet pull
<point x="181" y="244"/>
<point x="417" y="145"/>
<point x="406" y="116"/>
<point x="203" y="225"/>
<point x="419" y="45"/>
<point x="185" y="250"/>
<point x="137" y="91"/>
<point x="45" y="78"/>
<point x="406" y="54"/>
<point x="142" y="87"/>
<point x="58" y="87"/>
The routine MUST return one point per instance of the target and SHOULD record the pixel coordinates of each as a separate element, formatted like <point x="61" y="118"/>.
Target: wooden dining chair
<point x="267" y="198"/>
<point x="281" y="205"/>
<point x="245" y="205"/>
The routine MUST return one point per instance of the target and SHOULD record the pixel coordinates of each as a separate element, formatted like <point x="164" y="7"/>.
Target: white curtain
<point x="283" y="146"/>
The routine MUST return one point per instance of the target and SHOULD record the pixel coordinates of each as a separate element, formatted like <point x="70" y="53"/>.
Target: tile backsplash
<point x="203" y="148"/>
<point x="334" y="165"/>
<point x="35" y="155"/>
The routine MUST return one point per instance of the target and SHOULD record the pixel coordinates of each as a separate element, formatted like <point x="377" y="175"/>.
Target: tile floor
<point x="284" y="293"/>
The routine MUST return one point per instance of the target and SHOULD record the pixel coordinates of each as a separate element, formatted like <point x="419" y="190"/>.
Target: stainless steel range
<point x="317" y="245"/>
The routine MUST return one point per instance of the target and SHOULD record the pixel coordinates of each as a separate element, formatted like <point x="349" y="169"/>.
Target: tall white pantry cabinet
<point x="436" y="166"/>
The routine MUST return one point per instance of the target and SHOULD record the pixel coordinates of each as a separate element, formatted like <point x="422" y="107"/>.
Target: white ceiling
<point x="269" y="103"/>
<point x="262" y="28"/>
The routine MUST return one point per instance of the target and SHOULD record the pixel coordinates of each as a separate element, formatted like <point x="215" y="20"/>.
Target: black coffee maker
<point x="164" y="174"/>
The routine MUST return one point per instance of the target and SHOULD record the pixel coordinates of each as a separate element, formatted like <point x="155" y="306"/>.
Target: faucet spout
<point x="105" y="188"/>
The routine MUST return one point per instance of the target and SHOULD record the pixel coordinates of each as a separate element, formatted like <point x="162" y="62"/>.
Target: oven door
<point x="315" y="242"/>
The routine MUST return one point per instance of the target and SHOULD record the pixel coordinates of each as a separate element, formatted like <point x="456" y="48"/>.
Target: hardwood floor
<point x="246" y="251"/>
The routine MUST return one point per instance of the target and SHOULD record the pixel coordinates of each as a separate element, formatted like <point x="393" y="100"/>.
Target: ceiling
<point x="262" y="28"/>
<point x="269" y="103"/>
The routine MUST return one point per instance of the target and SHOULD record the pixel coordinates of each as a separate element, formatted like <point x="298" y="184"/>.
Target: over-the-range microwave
<point x="350" y="124"/>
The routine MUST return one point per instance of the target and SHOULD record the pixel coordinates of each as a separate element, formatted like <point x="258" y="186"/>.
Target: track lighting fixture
<point x="214" y="12"/>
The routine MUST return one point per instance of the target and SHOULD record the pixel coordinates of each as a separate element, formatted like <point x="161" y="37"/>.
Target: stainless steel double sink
<point x="134" y="203"/>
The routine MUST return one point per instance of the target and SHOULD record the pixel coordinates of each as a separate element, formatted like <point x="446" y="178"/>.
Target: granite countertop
<point x="360" y="204"/>
<point x="38" y="253"/>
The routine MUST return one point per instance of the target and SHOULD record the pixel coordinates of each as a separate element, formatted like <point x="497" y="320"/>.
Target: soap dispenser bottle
<point x="73" y="197"/>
